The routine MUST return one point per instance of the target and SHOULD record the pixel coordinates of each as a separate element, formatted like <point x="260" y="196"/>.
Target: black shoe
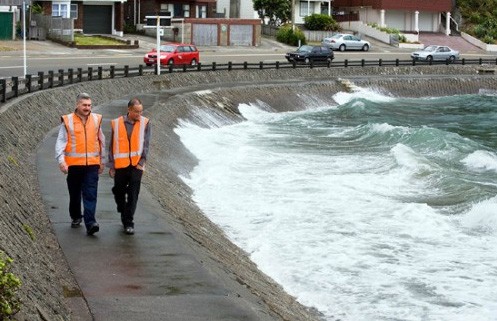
<point x="76" y="223"/>
<point x="94" y="228"/>
<point x="129" y="230"/>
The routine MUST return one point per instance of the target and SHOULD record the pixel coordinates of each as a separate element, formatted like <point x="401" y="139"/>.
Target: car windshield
<point x="167" y="48"/>
<point x="304" y="48"/>
<point x="430" y="48"/>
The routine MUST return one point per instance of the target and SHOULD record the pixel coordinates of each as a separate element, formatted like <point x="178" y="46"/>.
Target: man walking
<point x="79" y="151"/>
<point x="127" y="156"/>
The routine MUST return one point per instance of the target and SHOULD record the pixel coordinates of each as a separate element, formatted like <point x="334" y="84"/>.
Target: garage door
<point x="97" y="20"/>
<point x="6" y="28"/>
<point x="241" y="35"/>
<point x="205" y="34"/>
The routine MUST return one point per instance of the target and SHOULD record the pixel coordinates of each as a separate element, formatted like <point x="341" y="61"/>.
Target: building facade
<point x="404" y="15"/>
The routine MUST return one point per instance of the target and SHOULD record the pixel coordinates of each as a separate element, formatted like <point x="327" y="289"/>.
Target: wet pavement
<point x="152" y="275"/>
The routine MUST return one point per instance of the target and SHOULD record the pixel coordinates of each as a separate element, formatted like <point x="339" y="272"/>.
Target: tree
<point x="277" y="12"/>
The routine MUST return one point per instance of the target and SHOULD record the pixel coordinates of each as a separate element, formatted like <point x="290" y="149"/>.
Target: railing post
<point x="380" y="62"/>
<point x="112" y="71"/>
<point x="199" y="66"/>
<point x="171" y="68"/>
<point x="15" y="86"/>
<point x="70" y="75"/>
<point x="463" y="61"/>
<point x="311" y="64"/>
<point x="50" y="79"/>
<point x="294" y="64"/>
<point x="156" y="69"/>
<point x="80" y="74"/>
<point x="397" y="62"/>
<point x="184" y="68"/>
<point x="346" y="62"/>
<point x="245" y="65"/>
<point x="3" y="89"/>
<point x="230" y="65"/>
<point x="61" y="77"/>
<point x="28" y="83"/>
<point x="140" y="70"/>
<point x="277" y="64"/>
<point x="41" y="77"/>
<point x="496" y="61"/>
<point x="363" y="62"/>
<point x="90" y="73"/>
<point x="261" y="65"/>
<point x="414" y="62"/>
<point x="481" y="61"/>
<point x="126" y="70"/>
<point x="213" y="65"/>
<point x="100" y="72"/>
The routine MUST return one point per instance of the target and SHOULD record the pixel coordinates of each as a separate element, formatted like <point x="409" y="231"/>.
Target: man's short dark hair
<point x="133" y="102"/>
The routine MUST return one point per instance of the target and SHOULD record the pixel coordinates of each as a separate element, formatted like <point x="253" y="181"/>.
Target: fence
<point x="57" y="27"/>
<point x="15" y="86"/>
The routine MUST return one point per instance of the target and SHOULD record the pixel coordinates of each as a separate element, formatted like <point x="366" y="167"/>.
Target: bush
<point x="318" y="21"/>
<point x="291" y="37"/>
<point x="10" y="304"/>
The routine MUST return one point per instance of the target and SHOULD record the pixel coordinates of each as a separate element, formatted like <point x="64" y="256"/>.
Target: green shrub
<point x="291" y="37"/>
<point x="318" y="21"/>
<point x="10" y="304"/>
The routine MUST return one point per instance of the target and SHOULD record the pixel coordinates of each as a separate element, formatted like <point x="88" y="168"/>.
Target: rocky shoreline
<point x="46" y="276"/>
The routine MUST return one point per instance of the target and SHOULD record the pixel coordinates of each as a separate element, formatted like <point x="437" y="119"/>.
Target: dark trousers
<point x="126" y="188"/>
<point x="82" y="182"/>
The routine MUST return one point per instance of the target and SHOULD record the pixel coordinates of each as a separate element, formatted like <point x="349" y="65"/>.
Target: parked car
<point x="344" y="41"/>
<point x="308" y="53"/>
<point x="173" y="54"/>
<point x="434" y="52"/>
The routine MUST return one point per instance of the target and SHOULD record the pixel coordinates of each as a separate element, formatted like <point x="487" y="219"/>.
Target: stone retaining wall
<point x="25" y="231"/>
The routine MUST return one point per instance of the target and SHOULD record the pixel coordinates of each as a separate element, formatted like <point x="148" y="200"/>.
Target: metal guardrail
<point x="16" y="86"/>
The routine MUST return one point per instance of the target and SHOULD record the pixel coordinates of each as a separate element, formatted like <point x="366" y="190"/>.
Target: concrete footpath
<point x="152" y="275"/>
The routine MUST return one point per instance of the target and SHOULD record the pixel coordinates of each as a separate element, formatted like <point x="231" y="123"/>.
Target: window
<point x="74" y="11"/>
<point x="304" y="9"/>
<point x="60" y="9"/>
<point x="186" y="10"/>
<point x="169" y="7"/>
<point x="201" y="12"/>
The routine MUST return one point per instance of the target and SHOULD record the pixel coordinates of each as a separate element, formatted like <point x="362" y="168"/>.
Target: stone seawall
<point x="25" y="231"/>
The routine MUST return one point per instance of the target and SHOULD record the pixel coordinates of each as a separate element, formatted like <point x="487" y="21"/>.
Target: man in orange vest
<point x="79" y="150"/>
<point x="128" y="151"/>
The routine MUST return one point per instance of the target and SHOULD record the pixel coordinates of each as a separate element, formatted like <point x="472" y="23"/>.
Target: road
<point x="12" y="64"/>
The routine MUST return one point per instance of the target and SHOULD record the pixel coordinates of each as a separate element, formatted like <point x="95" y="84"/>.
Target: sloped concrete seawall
<point x="25" y="231"/>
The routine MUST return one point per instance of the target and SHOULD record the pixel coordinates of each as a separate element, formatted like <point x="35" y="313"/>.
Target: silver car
<point x="433" y="52"/>
<point x="344" y="41"/>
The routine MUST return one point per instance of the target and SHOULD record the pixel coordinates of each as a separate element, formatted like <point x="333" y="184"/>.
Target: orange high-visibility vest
<point x="83" y="145"/>
<point x="128" y="151"/>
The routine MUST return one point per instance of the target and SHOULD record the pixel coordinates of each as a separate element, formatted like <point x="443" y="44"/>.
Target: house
<point x="91" y="16"/>
<point x="242" y="9"/>
<point x="304" y="8"/>
<point x="9" y="15"/>
<point x="405" y="15"/>
<point x="135" y="11"/>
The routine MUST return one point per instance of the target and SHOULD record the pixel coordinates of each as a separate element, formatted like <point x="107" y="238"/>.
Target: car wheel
<point x="307" y="60"/>
<point x="452" y="59"/>
<point x="341" y="48"/>
<point x="429" y="58"/>
<point x="194" y="62"/>
<point x="365" y="47"/>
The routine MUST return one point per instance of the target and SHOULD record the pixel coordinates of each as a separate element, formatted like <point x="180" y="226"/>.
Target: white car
<point x="344" y="41"/>
<point x="433" y="52"/>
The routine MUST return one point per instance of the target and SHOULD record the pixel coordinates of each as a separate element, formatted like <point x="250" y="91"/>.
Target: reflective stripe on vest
<point x="83" y="146"/>
<point x="128" y="151"/>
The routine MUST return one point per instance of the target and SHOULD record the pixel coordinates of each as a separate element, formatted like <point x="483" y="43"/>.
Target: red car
<point x="173" y="54"/>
